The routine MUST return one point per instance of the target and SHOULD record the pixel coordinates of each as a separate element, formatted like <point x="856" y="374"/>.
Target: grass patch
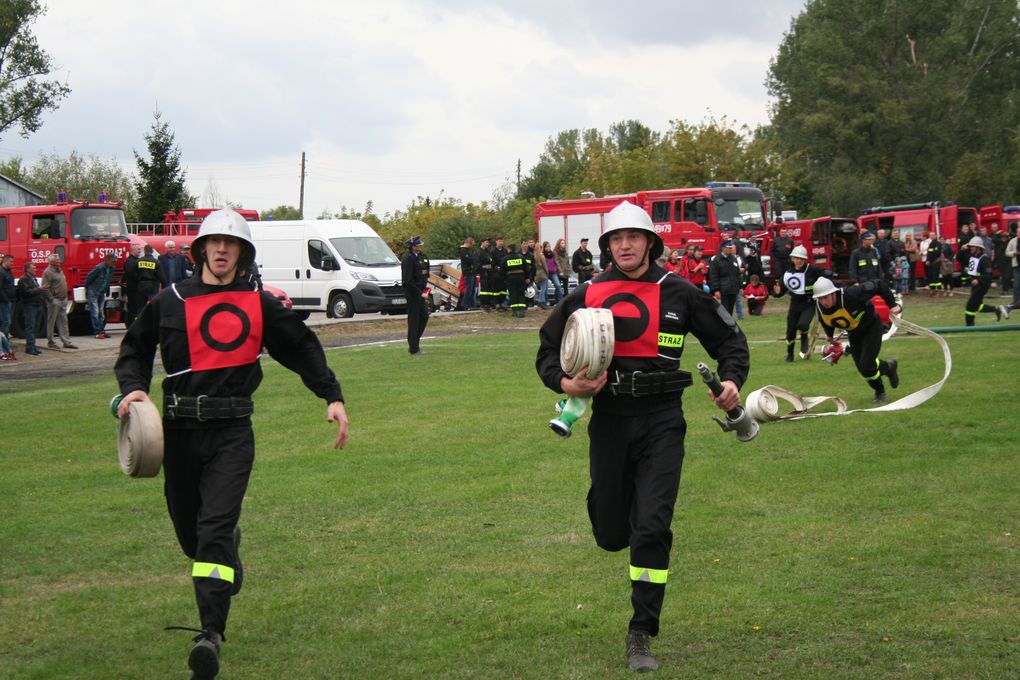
<point x="450" y="538"/>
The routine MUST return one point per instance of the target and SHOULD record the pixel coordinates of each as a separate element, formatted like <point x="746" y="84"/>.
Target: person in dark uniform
<point x="866" y="262"/>
<point x="210" y="330"/>
<point x="517" y="275"/>
<point x="129" y="284"/>
<point x="933" y="266"/>
<point x="528" y="255"/>
<point x="782" y="247"/>
<point x="150" y="277"/>
<point x="724" y="276"/>
<point x="468" y="271"/>
<point x="499" y="292"/>
<point x="850" y="309"/>
<point x="979" y="271"/>
<point x="637" y="426"/>
<point x="414" y="273"/>
<point x="799" y="281"/>
<point x="485" y="265"/>
<point x="581" y="262"/>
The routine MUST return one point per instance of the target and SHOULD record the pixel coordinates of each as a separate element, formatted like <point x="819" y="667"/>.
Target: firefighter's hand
<point x="336" y="413"/>
<point x="895" y="309"/>
<point x="122" y="408"/>
<point x="583" y="386"/>
<point x="973" y="282"/>
<point x="729" y="398"/>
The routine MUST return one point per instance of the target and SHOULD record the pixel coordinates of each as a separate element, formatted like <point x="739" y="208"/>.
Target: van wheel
<point x="340" y="306"/>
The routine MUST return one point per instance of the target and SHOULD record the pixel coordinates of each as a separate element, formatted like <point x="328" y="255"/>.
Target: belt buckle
<point x="614" y="385"/>
<point x="198" y="406"/>
<point x="171" y="408"/>
<point x="633" y="385"/>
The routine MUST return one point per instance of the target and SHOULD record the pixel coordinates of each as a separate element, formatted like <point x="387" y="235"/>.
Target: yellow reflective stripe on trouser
<point x="648" y="575"/>
<point x="211" y="570"/>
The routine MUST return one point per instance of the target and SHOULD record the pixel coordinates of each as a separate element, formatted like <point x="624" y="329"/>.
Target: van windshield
<point x="98" y="224"/>
<point x="365" y="251"/>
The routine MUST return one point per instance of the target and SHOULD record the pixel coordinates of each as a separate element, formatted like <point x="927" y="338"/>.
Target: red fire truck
<point x="82" y="232"/>
<point x="180" y="226"/>
<point x="704" y="216"/>
<point x="828" y="240"/>
<point x="997" y="218"/>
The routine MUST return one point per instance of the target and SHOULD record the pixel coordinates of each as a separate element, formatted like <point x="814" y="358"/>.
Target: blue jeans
<point x="543" y="292"/>
<point x="470" y="293"/>
<point x="6" y="309"/>
<point x="97" y="311"/>
<point x="555" y="281"/>
<point x="32" y="314"/>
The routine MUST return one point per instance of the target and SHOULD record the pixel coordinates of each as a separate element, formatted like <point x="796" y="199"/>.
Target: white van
<point x="336" y="266"/>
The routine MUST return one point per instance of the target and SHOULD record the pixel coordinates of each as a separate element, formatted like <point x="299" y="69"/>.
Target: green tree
<point x="82" y="176"/>
<point x="891" y="96"/>
<point x="25" y="94"/>
<point x="281" y="212"/>
<point x="161" y="179"/>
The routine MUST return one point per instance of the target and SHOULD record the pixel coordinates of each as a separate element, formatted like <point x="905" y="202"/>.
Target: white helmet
<point x="976" y="242"/>
<point x="225" y="222"/>
<point x="823" y="287"/>
<point x="629" y="216"/>
<point x="799" y="251"/>
<point x="530" y="291"/>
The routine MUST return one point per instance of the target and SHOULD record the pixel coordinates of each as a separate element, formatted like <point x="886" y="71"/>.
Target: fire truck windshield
<point x="743" y="213"/>
<point x="98" y="224"/>
<point x="365" y="251"/>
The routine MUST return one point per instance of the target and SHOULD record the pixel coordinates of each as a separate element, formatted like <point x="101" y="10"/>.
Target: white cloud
<point x="393" y="100"/>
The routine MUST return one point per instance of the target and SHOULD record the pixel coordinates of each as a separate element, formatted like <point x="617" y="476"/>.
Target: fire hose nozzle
<point x="738" y="420"/>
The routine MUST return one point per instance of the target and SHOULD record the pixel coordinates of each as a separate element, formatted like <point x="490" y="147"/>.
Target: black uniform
<point x="854" y="313"/>
<point x="979" y="272"/>
<point x="782" y="246"/>
<point x="487" y="294"/>
<point x="414" y="273"/>
<point x="496" y="279"/>
<point x="581" y="263"/>
<point x="209" y="339"/>
<point x="724" y="277"/>
<point x="150" y="279"/>
<point x="517" y="275"/>
<point x="932" y="265"/>
<point x="866" y="265"/>
<point x="130" y="285"/>
<point x="636" y="444"/>
<point x="800" y="284"/>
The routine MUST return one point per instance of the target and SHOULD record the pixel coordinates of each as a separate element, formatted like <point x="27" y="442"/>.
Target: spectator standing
<point x="865" y="262"/>
<point x="486" y="292"/>
<point x="33" y="306"/>
<point x="581" y="262"/>
<point x="724" y="277"/>
<point x="1013" y="253"/>
<point x="672" y="263"/>
<point x="553" y="266"/>
<point x="1003" y="263"/>
<point x="207" y="406"/>
<point x="97" y="288"/>
<point x="517" y="274"/>
<point x="901" y="274"/>
<point x="414" y="273"/>
<point x="172" y="265"/>
<point x="150" y="276"/>
<point x="498" y="253"/>
<point x="528" y="255"/>
<point x="8" y="296"/>
<point x="55" y="284"/>
<point x="697" y="269"/>
<point x="947" y="267"/>
<point x="468" y="272"/>
<point x="933" y="266"/>
<point x="910" y="249"/>
<point x="129" y="284"/>
<point x="542" y="276"/>
<point x="756" y="295"/>
<point x="563" y="268"/>
<point x="782" y="246"/>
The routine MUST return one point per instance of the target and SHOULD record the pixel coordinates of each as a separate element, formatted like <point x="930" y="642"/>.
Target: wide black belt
<point x="206" y="408"/>
<point x="643" y="384"/>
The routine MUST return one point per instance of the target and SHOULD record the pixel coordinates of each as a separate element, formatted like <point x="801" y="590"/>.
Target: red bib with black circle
<point x="635" y="308"/>
<point x="224" y="329"/>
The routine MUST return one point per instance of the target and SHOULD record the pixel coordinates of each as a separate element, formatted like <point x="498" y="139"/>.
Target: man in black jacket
<point x="414" y="273"/>
<point x="33" y="303"/>
<point x="637" y="427"/>
<point x="210" y="330"/>
<point x="866" y="262"/>
<point x="724" y="276"/>
<point x="850" y="309"/>
<point x="581" y="262"/>
<point x="468" y="271"/>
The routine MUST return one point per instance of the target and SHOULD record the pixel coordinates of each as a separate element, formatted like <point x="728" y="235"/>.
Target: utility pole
<point x="518" y="176"/>
<point x="301" y="202"/>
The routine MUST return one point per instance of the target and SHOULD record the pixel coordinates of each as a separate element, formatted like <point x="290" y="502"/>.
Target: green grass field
<point x="450" y="538"/>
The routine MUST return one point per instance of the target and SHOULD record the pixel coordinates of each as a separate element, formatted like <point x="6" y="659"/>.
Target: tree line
<point x="873" y="102"/>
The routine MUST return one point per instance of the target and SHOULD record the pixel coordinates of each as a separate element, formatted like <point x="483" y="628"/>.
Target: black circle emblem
<point x="628" y="328"/>
<point x="210" y="317"/>
<point x="793" y="283"/>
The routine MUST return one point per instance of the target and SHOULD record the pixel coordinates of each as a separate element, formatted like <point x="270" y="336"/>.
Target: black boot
<point x="639" y="652"/>
<point x="204" y="661"/>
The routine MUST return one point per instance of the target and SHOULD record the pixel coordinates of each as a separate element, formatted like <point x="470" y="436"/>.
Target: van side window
<point x="660" y="211"/>
<point x="48" y="226"/>
<point x="316" y="253"/>
<point x="3" y="228"/>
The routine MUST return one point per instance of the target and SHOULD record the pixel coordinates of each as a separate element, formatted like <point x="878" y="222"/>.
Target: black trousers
<point x="797" y="319"/>
<point x="417" y="319"/>
<point x="635" y="463"/>
<point x="976" y="303"/>
<point x="206" y="474"/>
<point x="515" y="291"/>
<point x="865" y="345"/>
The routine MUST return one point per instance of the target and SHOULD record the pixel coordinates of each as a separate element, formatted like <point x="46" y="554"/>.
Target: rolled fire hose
<point x="139" y="439"/>
<point x="763" y="404"/>
<point x="588" y="340"/>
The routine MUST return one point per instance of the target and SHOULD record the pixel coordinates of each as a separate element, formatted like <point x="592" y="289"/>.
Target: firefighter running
<point x="979" y="269"/>
<point x="637" y="428"/>
<point x="799" y="281"/>
<point x="210" y="330"/>
<point x="850" y="309"/>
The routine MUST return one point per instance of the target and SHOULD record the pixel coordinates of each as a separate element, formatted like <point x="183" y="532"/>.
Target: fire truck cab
<point x="704" y="216"/>
<point x="828" y="240"/>
<point x="82" y="233"/>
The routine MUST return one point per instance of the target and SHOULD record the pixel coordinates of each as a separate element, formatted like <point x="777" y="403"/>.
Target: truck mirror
<point x="701" y="213"/>
<point x="328" y="263"/>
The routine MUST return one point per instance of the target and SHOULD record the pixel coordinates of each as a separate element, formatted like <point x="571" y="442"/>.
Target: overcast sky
<point x="389" y="100"/>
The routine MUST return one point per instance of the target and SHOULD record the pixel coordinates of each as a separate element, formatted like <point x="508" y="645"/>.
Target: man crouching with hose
<point x="210" y="330"/>
<point x="637" y="426"/>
